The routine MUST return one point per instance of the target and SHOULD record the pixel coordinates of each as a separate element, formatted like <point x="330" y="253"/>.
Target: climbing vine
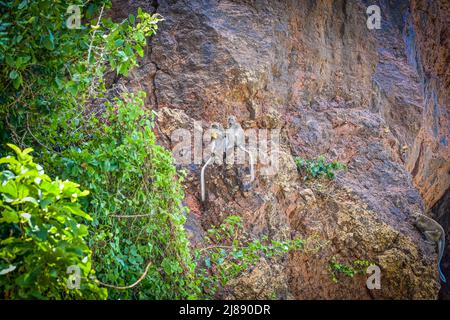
<point x="59" y="98"/>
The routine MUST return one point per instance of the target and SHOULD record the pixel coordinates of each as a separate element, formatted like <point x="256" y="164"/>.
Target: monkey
<point x="217" y="149"/>
<point x="234" y="132"/>
<point x="217" y="141"/>
<point x="434" y="233"/>
<point x="235" y="129"/>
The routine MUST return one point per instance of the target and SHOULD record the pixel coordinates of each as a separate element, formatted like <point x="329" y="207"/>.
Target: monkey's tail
<point x="202" y="179"/>
<point x="441" y="245"/>
<point x="252" y="164"/>
<point x="441" y="275"/>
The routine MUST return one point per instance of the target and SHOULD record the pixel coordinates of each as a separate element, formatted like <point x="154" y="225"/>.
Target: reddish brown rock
<point x="429" y="160"/>
<point x="375" y="100"/>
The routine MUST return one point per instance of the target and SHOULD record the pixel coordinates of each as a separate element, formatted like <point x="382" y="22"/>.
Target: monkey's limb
<point x="432" y="236"/>
<point x="202" y="178"/>
<point x="252" y="169"/>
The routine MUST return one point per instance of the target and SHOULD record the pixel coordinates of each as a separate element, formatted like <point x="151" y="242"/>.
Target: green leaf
<point x="131" y="18"/>
<point x="15" y="148"/>
<point x="48" y="42"/>
<point x="17" y="82"/>
<point x="208" y="261"/>
<point x="22" y="4"/>
<point x="22" y="191"/>
<point x="13" y="74"/>
<point x="10" y="216"/>
<point x="9" y="188"/>
<point x="21" y="61"/>
<point x="29" y="199"/>
<point x="75" y="209"/>
<point x="118" y="43"/>
<point x="139" y="50"/>
<point x="10" y="61"/>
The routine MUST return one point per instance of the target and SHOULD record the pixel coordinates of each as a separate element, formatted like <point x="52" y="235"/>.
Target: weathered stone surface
<point x="429" y="31"/>
<point x="376" y="100"/>
<point x="441" y="214"/>
<point x="354" y="232"/>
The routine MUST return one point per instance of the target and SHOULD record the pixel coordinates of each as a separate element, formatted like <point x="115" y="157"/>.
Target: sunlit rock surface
<point x="376" y="100"/>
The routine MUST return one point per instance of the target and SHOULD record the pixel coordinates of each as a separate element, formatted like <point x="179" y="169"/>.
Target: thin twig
<point x="131" y="285"/>
<point x="131" y="215"/>
<point x="93" y="34"/>
<point x="34" y="137"/>
<point x="224" y="247"/>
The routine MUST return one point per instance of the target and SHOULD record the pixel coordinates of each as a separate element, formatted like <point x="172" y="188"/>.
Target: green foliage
<point x="42" y="234"/>
<point x="230" y="251"/>
<point x="50" y="73"/>
<point x="336" y="268"/>
<point x="318" y="167"/>
<point x="136" y="203"/>
<point x="35" y="42"/>
<point x="361" y="266"/>
<point x="37" y="51"/>
<point x="107" y="145"/>
<point x="56" y="98"/>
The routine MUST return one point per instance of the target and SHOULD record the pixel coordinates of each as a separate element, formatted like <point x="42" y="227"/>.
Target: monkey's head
<point x="419" y="220"/>
<point x="216" y="126"/>
<point x="231" y="121"/>
<point x="216" y="130"/>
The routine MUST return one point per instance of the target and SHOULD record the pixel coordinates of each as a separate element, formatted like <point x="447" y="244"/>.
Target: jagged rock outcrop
<point x="429" y="50"/>
<point x="376" y="100"/>
<point x="429" y="31"/>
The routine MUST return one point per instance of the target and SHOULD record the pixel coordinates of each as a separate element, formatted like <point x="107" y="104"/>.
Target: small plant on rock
<point x="230" y="252"/>
<point x="318" y="167"/>
<point x="336" y="268"/>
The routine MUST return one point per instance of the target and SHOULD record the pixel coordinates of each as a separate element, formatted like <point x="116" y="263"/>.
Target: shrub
<point x="229" y="252"/>
<point x="37" y="54"/>
<point x="42" y="234"/>
<point x="318" y="167"/>
<point x="135" y="201"/>
<point x="51" y="74"/>
<point x="336" y="268"/>
<point x="106" y="144"/>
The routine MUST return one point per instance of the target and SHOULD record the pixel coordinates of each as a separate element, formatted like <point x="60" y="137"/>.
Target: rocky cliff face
<point x="376" y="100"/>
<point x="428" y="46"/>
